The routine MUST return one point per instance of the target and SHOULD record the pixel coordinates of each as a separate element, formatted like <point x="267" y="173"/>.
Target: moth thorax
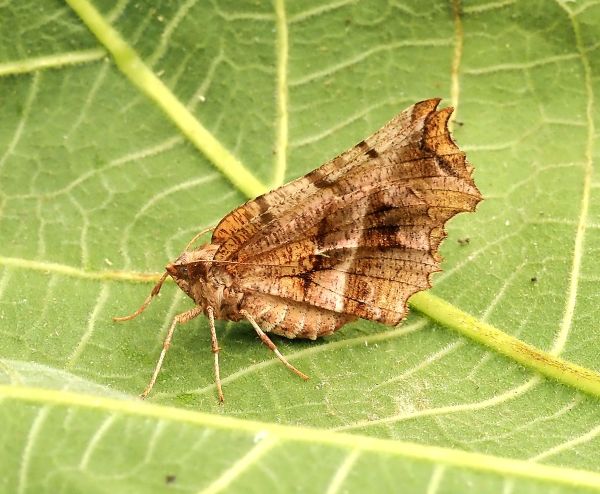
<point x="205" y="252"/>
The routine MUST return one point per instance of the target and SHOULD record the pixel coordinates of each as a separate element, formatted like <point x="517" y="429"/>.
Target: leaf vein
<point x="434" y="454"/>
<point x="147" y="81"/>
<point x="281" y="140"/>
<point x="578" y="249"/>
<point x="55" y="61"/>
<point x="342" y="472"/>
<point x="240" y="466"/>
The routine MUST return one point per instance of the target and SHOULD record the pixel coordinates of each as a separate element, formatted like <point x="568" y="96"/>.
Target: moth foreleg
<point x="215" y="349"/>
<point x="267" y="341"/>
<point x="178" y="319"/>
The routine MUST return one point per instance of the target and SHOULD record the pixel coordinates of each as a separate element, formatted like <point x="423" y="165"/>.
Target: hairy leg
<point x="215" y="349"/>
<point x="267" y="341"/>
<point x="178" y="319"/>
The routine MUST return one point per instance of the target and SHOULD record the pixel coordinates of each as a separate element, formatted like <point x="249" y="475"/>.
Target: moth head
<point x="184" y="271"/>
<point x="178" y="270"/>
<point x="190" y="270"/>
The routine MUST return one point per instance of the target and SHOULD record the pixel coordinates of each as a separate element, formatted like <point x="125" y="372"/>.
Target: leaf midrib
<point x="499" y="465"/>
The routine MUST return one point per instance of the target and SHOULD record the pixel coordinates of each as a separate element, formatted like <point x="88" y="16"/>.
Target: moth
<point x="354" y="238"/>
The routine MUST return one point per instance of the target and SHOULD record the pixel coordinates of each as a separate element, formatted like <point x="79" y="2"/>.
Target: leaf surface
<point x="104" y="179"/>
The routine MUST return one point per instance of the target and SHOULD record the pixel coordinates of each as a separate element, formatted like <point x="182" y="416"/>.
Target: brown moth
<point x="354" y="238"/>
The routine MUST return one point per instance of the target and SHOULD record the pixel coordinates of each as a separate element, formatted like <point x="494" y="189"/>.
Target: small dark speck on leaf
<point x="170" y="479"/>
<point x="534" y="279"/>
<point x="463" y="241"/>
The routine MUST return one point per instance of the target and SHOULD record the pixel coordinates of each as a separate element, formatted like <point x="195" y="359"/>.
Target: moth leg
<point x="215" y="349"/>
<point x="149" y="298"/>
<point x="178" y="319"/>
<point x="267" y="341"/>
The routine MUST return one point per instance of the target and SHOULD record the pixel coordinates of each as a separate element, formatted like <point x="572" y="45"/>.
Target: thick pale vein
<point x="477" y="9"/>
<point x="540" y="62"/>
<point x="4" y="281"/>
<point x="581" y="7"/>
<point x="436" y="455"/>
<point x="59" y="60"/>
<point x="95" y="440"/>
<point x="115" y="12"/>
<point x="83" y="232"/>
<point x="356" y="59"/>
<point x="532" y="425"/>
<point x="165" y="37"/>
<point x="63" y="269"/>
<point x="93" y="91"/>
<point x="29" y="448"/>
<point x="457" y="56"/>
<point x="155" y="199"/>
<point x="281" y="141"/>
<point x="545" y="363"/>
<point x="41" y="233"/>
<point x="153" y="449"/>
<point x="436" y="479"/>
<point x="569" y="445"/>
<point x="578" y="249"/>
<point x="18" y="132"/>
<point x="341" y="474"/>
<point x="199" y="95"/>
<point x="91" y="324"/>
<point x="240" y="466"/>
<point x="319" y="10"/>
<point x="45" y="304"/>
<point x="241" y="16"/>
<point x="424" y="363"/>
<point x="144" y="79"/>
<point x="494" y="401"/>
<point x="508" y="486"/>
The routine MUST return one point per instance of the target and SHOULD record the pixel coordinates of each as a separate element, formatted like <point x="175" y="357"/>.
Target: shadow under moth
<point x="354" y="238"/>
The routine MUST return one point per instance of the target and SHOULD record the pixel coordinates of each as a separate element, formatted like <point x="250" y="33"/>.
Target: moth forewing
<point x="354" y="238"/>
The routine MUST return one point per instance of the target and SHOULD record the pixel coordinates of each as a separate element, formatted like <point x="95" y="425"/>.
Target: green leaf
<point x="126" y="128"/>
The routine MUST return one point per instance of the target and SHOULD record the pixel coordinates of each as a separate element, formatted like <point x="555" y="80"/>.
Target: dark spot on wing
<point x="446" y="165"/>
<point x="320" y="178"/>
<point x="265" y="215"/>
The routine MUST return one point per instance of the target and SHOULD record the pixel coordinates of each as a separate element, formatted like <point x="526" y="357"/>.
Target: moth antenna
<point x="198" y="235"/>
<point x="146" y="303"/>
